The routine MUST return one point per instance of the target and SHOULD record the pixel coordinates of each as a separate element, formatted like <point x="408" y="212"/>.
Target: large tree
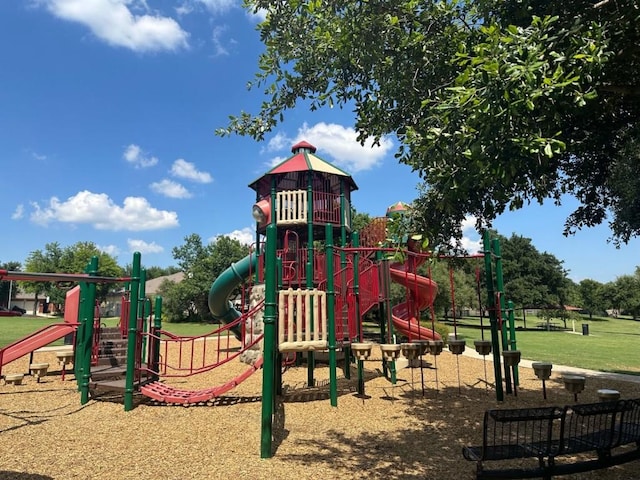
<point x="531" y="278"/>
<point x="591" y="293"/>
<point x="495" y="104"/>
<point x="71" y="259"/>
<point x="627" y="294"/>
<point x="202" y="263"/>
<point x="8" y="288"/>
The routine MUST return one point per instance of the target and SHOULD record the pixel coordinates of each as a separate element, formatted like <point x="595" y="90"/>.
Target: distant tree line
<point x="532" y="279"/>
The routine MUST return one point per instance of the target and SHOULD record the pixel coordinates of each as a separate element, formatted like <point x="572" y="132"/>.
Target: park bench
<point x="573" y="439"/>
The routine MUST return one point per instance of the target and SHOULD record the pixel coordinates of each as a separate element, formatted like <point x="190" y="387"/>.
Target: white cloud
<point x="134" y="155"/>
<point x="246" y="236"/>
<point x="469" y="223"/>
<point x="219" y="6"/>
<point x="114" y="22"/>
<point x="98" y="210"/>
<point x="279" y="142"/>
<point x="170" y="189"/>
<point x="259" y="16"/>
<point x="184" y="9"/>
<point x="143" y="247"/>
<point x="217" y="39"/>
<point x="275" y="161"/>
<point x="18" y="213"/>
<point x="187" y="170"/>
<point x="471" y="240"/>
<point x="342" y="145"/>
<point x="109" y="250"/>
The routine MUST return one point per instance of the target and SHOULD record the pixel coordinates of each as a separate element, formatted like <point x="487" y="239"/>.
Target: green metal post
<point x="331" y="323"/>
<point x="495" y="245"/>
<point x="311" y="359"/>
<point x="81" y="336"/>
<point x="144" y="310"/>
<point x="88" y="313"/>
<point x="493" y="321"/>
<point x="270" y="313"/>
<point x="157" y="325"/>
<point x="277" y="371"/>
<point x="134" y="295"/>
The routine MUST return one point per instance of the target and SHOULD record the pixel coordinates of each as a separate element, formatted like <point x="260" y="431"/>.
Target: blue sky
<point x="107" y="117"/>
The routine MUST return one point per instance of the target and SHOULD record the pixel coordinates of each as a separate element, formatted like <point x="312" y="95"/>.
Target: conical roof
<point x="398" y="207"/>
<point x="304" y="159"/>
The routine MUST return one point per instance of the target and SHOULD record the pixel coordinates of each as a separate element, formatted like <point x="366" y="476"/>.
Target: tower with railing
<point x="301" y="196"/>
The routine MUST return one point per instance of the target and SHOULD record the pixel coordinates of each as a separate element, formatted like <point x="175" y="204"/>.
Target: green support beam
<point x="491" y="304"/>
<point x="269" y="354"/>
<point x="88" y="311"/>
<point x="134" y="295"/>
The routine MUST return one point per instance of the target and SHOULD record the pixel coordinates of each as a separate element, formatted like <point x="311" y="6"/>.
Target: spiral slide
<point x="219" y="305"/>
<point x="423" y="292"/>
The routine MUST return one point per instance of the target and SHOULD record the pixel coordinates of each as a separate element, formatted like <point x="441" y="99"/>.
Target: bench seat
<point x="573" y="439"/>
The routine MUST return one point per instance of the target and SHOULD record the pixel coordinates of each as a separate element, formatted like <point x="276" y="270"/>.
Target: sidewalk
<point x="561" y="369"/>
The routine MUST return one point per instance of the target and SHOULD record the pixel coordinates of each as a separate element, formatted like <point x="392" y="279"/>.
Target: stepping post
<point x="483" y="347"/>
<point x="64" y="357"/>
<point x="607" y="395"/>
<point x="543" y="372"/>
<point x="390" y="351"/>
<point x="411" y="351"/>
<point x="39" y="370"/>
<point x="457" y="346"/>
<point x="362" y="351"/>
<point x="13" y="378"/>
<point x="435" y="349"/>
<point x="574" y="384"/>
<point x="512" y="359"/>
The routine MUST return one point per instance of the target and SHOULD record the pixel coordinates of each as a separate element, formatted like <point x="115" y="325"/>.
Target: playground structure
<point x="308" y="284"/>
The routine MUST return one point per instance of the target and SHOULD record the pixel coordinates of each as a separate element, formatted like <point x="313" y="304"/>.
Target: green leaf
<point x="548" y="151"/>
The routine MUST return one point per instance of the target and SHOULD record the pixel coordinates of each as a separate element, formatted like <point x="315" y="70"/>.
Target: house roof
<point x="572" y="309"/>
<point x="152" y="286"/>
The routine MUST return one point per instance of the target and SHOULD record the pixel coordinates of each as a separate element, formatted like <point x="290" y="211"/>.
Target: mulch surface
<point x="412" y="430"/>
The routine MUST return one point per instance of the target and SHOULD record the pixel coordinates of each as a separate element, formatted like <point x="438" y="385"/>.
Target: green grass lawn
<point x="612" y="344"/>
<point x="14" y="328"/>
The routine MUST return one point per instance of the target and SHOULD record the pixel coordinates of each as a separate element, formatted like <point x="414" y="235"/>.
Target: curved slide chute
<point x="47" y="334"/>
<point x="423" y="292"/>
<point x="219" y="305"/>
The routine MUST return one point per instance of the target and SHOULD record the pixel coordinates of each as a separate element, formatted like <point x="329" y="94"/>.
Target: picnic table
<point x="549" y="326"/>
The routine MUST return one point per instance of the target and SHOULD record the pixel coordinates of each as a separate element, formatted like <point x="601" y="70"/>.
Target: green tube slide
<point x="219" y="305"/>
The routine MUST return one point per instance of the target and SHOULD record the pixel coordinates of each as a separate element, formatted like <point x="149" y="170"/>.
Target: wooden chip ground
<point x="395" y="432"/>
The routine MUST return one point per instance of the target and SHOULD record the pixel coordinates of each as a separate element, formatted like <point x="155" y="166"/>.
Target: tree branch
<point x="621" y="89"/>
<point x="601" y="3"/>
